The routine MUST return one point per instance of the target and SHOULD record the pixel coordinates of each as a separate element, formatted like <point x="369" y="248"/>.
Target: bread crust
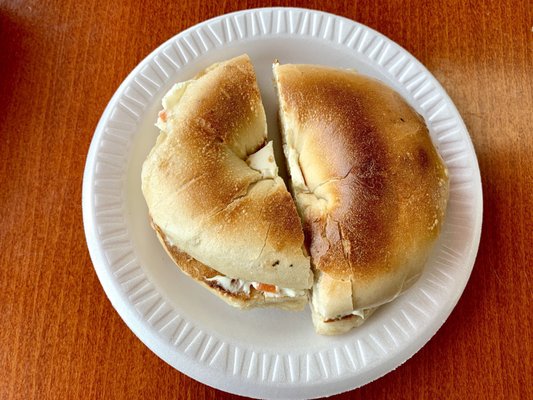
<point x="203" y="195"/>
<point x="373" y="192"/>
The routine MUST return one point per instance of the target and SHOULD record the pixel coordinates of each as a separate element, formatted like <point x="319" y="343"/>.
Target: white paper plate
<point x="267" y="353"/>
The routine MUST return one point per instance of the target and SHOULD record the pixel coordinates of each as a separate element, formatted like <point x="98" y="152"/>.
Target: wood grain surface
<point x="60" y="63"/>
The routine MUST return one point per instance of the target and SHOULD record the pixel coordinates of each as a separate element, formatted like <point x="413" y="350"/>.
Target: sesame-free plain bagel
<point x="213" y="193"/>
<point x="369" y="185"/>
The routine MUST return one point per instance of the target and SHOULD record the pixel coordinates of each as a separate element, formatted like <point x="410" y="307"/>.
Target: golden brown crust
<point x="210" y="132"/>
<point x="375" y="187"/>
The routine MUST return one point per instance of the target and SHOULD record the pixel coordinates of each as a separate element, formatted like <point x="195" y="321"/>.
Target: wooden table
<point x="60" y="62"/>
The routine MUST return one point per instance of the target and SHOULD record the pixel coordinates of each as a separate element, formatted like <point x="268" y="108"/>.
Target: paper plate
<point x="267" y="353"/>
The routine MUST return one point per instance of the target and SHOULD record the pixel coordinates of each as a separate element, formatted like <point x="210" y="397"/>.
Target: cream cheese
<point x="231" y="285"/>
<point x="239" y="286"/>
<point x="283" y="292"/>
<point x="359" y="313"/>
<point x="170" y="99"/>
<point x="264" y="162"/>
<point x="174" y="95"/>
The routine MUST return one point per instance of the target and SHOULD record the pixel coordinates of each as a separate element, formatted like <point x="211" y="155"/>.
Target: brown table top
<point x="60" y="62"/>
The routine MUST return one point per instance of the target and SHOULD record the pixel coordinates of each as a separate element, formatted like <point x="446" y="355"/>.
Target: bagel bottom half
<point x="202" y="273"/>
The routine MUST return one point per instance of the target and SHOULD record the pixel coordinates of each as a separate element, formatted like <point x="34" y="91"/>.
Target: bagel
<point x="369" y="186"/>
<point x="214" y="196"/>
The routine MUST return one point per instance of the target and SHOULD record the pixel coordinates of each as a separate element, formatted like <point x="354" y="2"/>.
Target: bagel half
<point x="369" y="186"/>
<point x="214" y="197"/>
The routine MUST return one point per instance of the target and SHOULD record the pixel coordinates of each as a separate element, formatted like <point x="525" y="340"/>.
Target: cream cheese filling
<point x="236" y="286"/>
<point x="359" y="312"/>
<point x="263" y="161"/>
<point x="170" y="99"/>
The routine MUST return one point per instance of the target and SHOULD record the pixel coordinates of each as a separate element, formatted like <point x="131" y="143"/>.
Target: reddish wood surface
<point x="60" y="62"/>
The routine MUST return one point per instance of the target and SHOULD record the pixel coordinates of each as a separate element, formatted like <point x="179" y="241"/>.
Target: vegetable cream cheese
<point x="239" y="286"/>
